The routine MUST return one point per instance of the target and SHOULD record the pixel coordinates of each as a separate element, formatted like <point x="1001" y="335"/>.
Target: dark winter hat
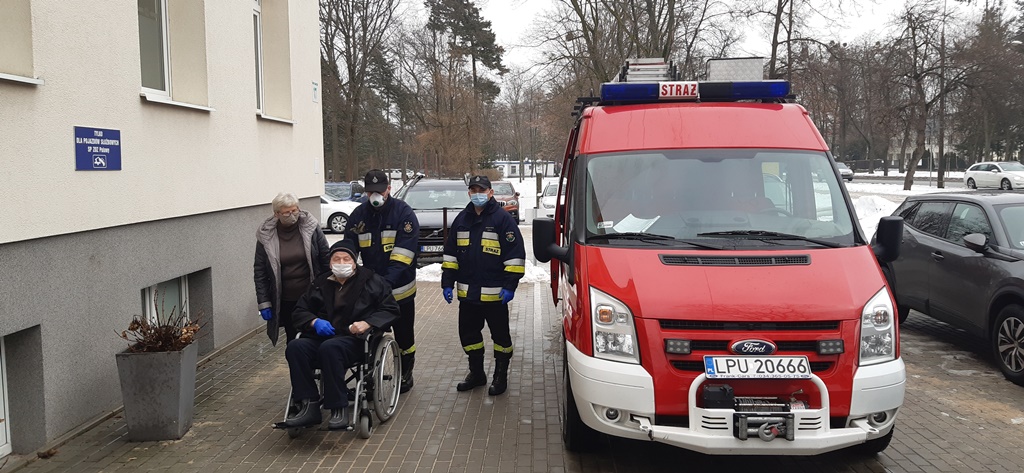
<point x="481" y="181"/>
<point x="375" y="181"/>
<point x="345" y="245"/>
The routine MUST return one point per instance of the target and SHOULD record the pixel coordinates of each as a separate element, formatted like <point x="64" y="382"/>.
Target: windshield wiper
<point x="653" y="238"/>
<point x="767" y="235"/>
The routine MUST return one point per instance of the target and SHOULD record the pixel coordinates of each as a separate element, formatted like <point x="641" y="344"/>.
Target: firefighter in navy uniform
<point x="387" y="233"/>
<point x="484" y="258"/>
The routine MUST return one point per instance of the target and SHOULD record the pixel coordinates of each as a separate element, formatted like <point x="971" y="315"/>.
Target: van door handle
<point x="937" y="256"/>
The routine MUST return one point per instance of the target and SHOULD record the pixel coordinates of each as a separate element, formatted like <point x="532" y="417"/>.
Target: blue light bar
<point x="641" y="92"/>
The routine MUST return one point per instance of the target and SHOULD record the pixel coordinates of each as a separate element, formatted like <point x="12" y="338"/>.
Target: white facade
<point x="217" y="107"/>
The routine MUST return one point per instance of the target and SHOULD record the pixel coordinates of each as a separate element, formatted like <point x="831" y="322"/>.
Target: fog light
<point x="878" y="418"/>
<point x="612" y="414"/>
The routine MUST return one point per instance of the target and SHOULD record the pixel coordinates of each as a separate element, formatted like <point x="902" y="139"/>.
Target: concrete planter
<point x="158" y="390"/>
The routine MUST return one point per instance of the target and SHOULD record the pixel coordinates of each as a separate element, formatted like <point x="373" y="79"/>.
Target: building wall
<point x="78" y="247"/>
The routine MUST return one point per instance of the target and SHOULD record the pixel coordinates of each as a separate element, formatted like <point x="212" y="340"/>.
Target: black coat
<point x="374" y="303"/>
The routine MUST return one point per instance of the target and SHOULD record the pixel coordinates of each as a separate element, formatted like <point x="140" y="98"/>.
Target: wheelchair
<point x="377" y="381"/>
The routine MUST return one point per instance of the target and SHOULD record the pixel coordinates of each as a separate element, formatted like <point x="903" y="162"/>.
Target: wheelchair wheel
<point x="387" y="376"/>
<point x="294" y="433"/>
<point x="364" y="427"/>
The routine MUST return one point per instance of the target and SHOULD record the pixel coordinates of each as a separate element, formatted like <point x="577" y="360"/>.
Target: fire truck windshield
<point x="738" y="194"/>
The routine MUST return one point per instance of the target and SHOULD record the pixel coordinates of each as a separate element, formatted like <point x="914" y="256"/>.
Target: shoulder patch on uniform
<point x="360" y="227"/>
<point x="407" y="226"/>
<point x="510" y="236"/>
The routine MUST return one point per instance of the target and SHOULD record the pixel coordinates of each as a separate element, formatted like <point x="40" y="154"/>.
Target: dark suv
<point x="962" y="262"/>
<point x="432" y="200"/>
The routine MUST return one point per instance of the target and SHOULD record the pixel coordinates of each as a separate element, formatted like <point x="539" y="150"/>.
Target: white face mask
<point x="343" y="271"/>
<point x="376" y="199"/>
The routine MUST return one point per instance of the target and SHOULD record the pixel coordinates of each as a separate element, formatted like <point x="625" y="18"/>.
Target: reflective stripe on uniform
<point x="404" y="291"/>
<point x="515" y="265"/>
<point x="402" y="255"/>
<point x="365" y="240"/>
<point x="490" y="243"/>
<point x="489" y="236"/>
<point x="412" y="349"/>
<point x="475" y="346"/>
<point x="388" y="236"/>
<point x="462" y="238"/>
<point x="499" y="348"/>
<point x="463" y="289"/>
<point x="490" y="294"/>
<point x="450" y="262"/>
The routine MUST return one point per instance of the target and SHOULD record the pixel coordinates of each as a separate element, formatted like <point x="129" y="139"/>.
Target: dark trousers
<point x="405" y="332"/>
<point x="472" y="316"/>
<point x="333" y="356"/>
<point x="284" y="319"/>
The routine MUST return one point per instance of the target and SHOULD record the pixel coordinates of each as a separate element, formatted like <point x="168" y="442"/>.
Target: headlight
<point x="512" y="203"/>
<point x="877" y="330"/>
<point x="614" y="334"/>
<point x="547" y="205"/>
<point x="1017" y="178"/>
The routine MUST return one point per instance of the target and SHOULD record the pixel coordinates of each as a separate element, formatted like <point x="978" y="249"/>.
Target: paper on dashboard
<point x="631" y="223"/>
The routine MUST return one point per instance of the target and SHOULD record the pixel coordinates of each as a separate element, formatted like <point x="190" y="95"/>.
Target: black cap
<point x="345" y="245"/>
<point x="481" y="181"/>
<point x="375" y="181"/>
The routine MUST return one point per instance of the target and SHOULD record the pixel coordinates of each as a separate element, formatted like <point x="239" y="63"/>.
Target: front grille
<point x="698" y="366"/>
<point x="786" y="260"/>
<point x="723" y="345"/>
<point x="431" y="236"/>
<point x="747" y="326"/>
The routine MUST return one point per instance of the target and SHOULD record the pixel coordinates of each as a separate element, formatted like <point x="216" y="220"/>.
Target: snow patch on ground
<point x="535" y="273"/>
<point x="870" y="208"/>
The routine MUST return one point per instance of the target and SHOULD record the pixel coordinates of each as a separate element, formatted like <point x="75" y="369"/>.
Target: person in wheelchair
<point x="339" y="306"/>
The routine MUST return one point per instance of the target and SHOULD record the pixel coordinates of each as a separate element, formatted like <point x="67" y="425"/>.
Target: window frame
<point x="5" y="408"/>
<point x="257" y="16"/>
<point x="166" y="46"/>
<point x="149" y="304"/>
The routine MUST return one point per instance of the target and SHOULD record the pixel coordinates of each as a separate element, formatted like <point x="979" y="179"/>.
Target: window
<point x="967" y="219"/>
<point x="1012" y="217"/>
<point x="153" y="46"/>
<point x="5" y="427"/>
<point x="515" y="170"/>
<point x="16" y="38"/>
<point x="930" y="217"/>
<point x="257" y="38"/>
<point x="172" y="52"/>
<point x="166" y="301"/>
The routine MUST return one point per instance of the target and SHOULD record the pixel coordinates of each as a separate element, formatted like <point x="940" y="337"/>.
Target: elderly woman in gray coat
<point x="291" y="251"/>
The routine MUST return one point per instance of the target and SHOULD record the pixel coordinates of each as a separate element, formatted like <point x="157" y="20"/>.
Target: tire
<point x="364" y="429"/>
<point x="875" y="446"/>
<point x="971" y="184"/>
<point x="1005" y="185"/>
<point x="576" y="435"/>
<point x="387" y="374"/>
<point x="1008" y="343"/>
<point x="336" y="223"/>
<point x="294" y="433"/>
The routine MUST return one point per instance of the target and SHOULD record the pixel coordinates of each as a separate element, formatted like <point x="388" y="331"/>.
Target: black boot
<point x="408" y="361"/>
<point x="309" y="414"/>
<point x="500" y="381"/>
<point x="476" y="376"/>
<point x="338" y="420"/>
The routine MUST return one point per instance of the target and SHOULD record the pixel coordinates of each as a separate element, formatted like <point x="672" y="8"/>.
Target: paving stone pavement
<point x="960" y="415"/>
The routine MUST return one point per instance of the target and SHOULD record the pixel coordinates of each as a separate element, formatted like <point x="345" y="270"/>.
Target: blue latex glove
<point x="266" y="314"/>
<point x="323" y="328"/>
<point x="506" y="296"/>
<point x="447" y="291"/>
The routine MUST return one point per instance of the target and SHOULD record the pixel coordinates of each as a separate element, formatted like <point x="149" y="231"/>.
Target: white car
<point x="1005" y="175"/>
<point x="547" y="200"/>
<point x="336" y="205"/>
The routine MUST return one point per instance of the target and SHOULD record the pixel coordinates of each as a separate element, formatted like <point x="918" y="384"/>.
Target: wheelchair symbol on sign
<point x="99" y="161"/>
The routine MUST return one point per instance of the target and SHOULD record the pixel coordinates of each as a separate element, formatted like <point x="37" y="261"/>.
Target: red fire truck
<point x="716" y="289"/>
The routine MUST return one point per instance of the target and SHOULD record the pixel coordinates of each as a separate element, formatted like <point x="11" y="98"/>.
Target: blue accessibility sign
<point x="97" y="149"/>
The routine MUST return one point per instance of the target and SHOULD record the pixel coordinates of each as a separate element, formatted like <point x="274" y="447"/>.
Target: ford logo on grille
<point x="753" y="347"/>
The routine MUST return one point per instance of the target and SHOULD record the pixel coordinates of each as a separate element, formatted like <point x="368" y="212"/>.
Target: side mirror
<point x="544" y="247"/>
<point x="888" y="239"/>
<point x="517" y="194"/>
<point x="977" y="242"/>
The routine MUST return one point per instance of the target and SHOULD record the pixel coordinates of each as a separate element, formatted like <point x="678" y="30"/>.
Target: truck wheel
<point x="875" y="446"/>
<point x="1008" y="343"/>
<point x="576" y="435"/>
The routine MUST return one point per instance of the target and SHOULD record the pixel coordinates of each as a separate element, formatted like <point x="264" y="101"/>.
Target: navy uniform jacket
<point x="388" y="240"/>
<point x="483" y="254"/>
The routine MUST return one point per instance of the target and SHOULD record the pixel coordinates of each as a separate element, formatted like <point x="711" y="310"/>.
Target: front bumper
<point x="600" y="385"/>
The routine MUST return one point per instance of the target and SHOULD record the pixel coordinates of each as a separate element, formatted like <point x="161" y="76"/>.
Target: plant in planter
<point x="158" y="375"/>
